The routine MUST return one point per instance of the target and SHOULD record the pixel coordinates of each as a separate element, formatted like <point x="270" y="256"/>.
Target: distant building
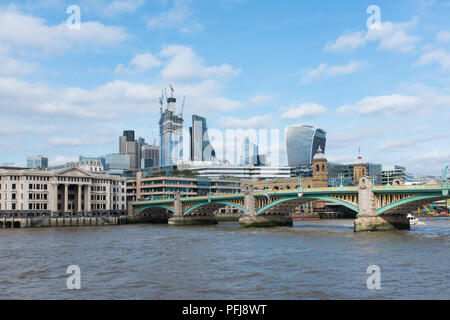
<point x="141" y="142"/>
<point x="37" y="162"/>
<point x="201" y="148"/>
<point x="248" y="172"/>
<point x="171" y="134"/>
<point x="349" y="174"/>
<point x="129" y="146"/>
<point x="396" y="172"/>
<point x="149" y="156"/>
<point x="93" y="158"/>
<point x="117" y="163"/>
<point x="302" y="143"/>
<point x="87" y="165"/>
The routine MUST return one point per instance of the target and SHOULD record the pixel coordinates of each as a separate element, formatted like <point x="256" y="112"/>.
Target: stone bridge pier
<point x="252" y="219"/>
<point x="367" y="218"/>
<point x="180" y="219"/>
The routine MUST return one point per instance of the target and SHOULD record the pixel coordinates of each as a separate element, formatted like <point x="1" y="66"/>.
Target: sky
<point x="243" y="64"/>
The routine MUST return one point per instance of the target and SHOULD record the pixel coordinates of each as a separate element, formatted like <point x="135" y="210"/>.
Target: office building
<point x="144" y="186"/>
<point x="396" y="172"/>
<point x="149" y="156"/>
<point x="201" y="148"/>
<point x="87" y="165"/>
<point x="74" y="191"/>
<point x="302" y="143"/>
<point x="248" y="172"/>
<point x="129" y="146"/>
<point x="37" y="162"/>
<point x="116" y="163"/>
<point x="171" y="134"/>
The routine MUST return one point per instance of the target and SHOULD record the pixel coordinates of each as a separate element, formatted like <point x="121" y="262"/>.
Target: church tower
<point x="320" y="170"/>
<point x="359" y="170"/>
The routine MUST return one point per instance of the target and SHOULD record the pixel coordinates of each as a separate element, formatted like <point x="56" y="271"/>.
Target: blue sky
<point x="241" y="63"/>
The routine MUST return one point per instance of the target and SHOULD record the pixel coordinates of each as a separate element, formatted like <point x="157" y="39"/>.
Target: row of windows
<point x="37" y="196"/>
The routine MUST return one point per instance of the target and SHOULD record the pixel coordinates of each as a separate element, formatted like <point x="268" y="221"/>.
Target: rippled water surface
<point x="321" y="259"/>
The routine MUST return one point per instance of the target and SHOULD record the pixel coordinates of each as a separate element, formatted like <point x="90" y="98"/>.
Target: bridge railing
<point x="307" y="190"/>
<point x="412" y="187"/>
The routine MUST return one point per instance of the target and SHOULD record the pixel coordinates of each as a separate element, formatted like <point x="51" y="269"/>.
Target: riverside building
<point x="146" y="187"/>
<point x="58" y="193"/>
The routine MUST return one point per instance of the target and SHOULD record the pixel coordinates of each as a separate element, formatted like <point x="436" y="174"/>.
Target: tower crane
<point x="444" y="174"/>
<point x="182" y="106"/>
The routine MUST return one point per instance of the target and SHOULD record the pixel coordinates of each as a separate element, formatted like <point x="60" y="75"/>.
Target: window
<point x="14" y="186"/>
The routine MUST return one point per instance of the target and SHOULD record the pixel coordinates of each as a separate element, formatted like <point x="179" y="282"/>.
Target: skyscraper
<point x="249" y="152"/>
<point x="302" y="143"/>
<point x="129" y="146"/>
<point x="141" y="142"/>
<point x="171" y="133"/>
<point x="201" y="148"/>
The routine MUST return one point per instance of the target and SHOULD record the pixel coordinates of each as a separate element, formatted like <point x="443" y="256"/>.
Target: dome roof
<point x="319" y="154"/>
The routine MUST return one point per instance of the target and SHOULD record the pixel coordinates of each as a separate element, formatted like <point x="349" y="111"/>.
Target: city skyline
<point x="386" y="92"/>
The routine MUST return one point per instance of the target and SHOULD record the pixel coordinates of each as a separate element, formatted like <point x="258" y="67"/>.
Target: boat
<point x="414" y="221"/>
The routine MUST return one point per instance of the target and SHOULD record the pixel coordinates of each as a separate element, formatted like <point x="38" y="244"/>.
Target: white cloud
<point x="123" y="6"/>
<point x="79" y="141"/>
<point x="438" y="56"/>
<point x="140" y="63"/>
<point x="443" y="36"/>
<point x="256" y="122"/>
<point x="409" y="142"/>
<point x="12" y="67"/>
<point x="304" y="110"/>
<point x="180" y="17"/>
<point x="391" y="37"/>
<point x="21" y="31"/>
<point x="185" y="64"/>
<point x="260" y="99"/>
<point x="394" y="104"/>
<point x="323" y="70"/>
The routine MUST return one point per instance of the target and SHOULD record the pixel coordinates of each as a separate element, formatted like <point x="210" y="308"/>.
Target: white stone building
<point x="65" y="192"/>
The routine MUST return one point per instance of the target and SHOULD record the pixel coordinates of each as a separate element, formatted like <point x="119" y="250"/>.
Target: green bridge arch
<point x="153" y="206"/>
<point x="406" y="201"/>
<point x="324" y="198"/>
<point x="219" y="202"/>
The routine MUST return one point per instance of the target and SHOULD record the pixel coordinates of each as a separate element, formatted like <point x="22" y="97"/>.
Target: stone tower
<point x="359" y="170"/>
<point x="320" y="170"/>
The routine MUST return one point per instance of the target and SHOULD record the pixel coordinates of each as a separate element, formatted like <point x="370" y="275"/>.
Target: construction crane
<point x="161" y="101"/>
<point x="182" y="106"/>
<point x="444" y="174"/>
<point x="171" y="89"/>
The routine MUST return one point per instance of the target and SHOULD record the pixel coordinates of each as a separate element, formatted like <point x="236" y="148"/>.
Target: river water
<point x="321" y="259"/>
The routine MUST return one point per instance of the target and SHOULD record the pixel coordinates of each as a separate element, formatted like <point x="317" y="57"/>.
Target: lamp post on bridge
<point x="341" y="176"/>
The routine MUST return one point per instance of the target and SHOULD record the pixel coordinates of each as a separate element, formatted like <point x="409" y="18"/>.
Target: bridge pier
<point x="367" y="218"/>
<point x="179" y="219"/>
<point x="252" y="220"/>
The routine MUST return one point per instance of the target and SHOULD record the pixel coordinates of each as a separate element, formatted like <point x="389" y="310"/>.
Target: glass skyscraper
<point x="302" y="143"/>
<point x="201" y="148"/>
<point x="171" y="133"/>
<point x="37" y="162"/>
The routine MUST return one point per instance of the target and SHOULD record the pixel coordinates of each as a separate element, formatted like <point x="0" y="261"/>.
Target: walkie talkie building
<point x="302" y="143"/>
